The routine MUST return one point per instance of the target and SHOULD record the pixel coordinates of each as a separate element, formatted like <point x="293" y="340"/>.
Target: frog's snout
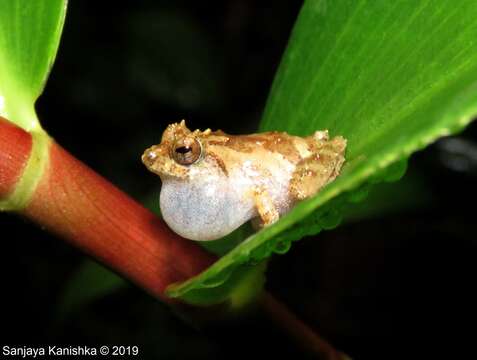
<point x="149" y="156"/>
<point x="158" y="162"/>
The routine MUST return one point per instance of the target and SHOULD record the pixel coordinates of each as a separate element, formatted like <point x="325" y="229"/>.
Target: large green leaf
<point x="30" y="32"/>
<point x="390" y="76"/>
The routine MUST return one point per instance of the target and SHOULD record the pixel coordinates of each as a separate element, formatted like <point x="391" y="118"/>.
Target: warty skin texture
<point x="213" y="182"/>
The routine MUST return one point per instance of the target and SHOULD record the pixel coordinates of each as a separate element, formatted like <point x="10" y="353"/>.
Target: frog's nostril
<point x="149" y="156"/>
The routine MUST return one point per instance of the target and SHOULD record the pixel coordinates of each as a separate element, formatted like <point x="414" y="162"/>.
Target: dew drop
<point x="218" y="279"/>
<point x="395" y="171"/>
<point x="282" y="247"/>
<point x="358" y="195"/>
<point x="330" y="219"/>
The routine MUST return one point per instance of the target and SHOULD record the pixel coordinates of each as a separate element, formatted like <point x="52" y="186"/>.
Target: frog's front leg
<point x="267" y="210"/>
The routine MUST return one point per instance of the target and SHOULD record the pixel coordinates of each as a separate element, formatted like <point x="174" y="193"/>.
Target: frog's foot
<point x="317" y="170"/>
<point x="267" y="211"/>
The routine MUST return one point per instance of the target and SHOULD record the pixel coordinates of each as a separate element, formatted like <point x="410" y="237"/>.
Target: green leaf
<point x="390" y="76"/>
<point x="90" y="282"/>
<point x="29" y="36"/>
<point x="412" y="192"/>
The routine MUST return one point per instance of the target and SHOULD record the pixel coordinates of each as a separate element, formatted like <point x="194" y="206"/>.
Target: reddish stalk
<point x="301" y="333"/>
<point x="83" y="208"/>
<point x="15" y="147"/>
<point x="86" y="210"/>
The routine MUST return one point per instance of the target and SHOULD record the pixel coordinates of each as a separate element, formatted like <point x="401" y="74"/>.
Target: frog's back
<point x="289" y="146"/>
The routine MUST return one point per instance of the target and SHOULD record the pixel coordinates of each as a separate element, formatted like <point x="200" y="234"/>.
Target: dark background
<point x="394" y="281"/>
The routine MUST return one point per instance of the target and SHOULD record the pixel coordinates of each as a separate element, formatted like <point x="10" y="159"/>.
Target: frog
<point x="213" y="182"/>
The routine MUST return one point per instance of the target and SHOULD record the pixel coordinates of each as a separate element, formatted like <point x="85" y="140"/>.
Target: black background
<point x="399" y="284"/>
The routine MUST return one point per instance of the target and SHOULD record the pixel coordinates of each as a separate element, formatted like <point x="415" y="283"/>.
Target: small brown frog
<point x="213" y="182"/>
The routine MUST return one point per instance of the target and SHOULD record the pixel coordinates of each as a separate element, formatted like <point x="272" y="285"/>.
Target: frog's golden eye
<point x="186" y="151"/>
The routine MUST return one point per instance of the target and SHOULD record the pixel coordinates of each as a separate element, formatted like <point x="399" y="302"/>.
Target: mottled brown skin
<point x="317" y="170"/>
<point x="306" y="164"/>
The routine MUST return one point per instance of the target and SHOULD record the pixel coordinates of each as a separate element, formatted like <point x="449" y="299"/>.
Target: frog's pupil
<point x="183" y="149"/>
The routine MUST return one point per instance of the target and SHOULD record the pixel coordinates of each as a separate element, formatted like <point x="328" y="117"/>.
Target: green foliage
<point x="29" y="36"/>
<point x="90" y="282"/>
<point x="411" y="192"/>
<point x="389" y="76"/>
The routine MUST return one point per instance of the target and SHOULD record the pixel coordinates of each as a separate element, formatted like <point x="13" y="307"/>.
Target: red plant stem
<point x="303" y="335"/>
<point x="85" y="209"/>
<point x="15" y="150"/>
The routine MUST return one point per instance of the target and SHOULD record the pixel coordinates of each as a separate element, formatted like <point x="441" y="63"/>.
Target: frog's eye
<point x="186" y="151"/>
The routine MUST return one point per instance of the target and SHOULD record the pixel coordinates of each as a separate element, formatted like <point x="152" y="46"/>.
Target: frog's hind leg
<point x="320" y="168"/>
<point x="267" y="211"/>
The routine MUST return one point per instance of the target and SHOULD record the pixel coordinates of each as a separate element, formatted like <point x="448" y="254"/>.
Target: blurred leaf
<point x="237" y="288"/>
<point x="411" y="192"/>
<point x="29" y="36"/>
<point x="390" y="76"/>
<point x="92" y="281"/>
<point x="161" y="65"/>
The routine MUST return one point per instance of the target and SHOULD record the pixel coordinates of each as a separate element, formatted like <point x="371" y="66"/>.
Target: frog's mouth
<point x="157" y="160"/>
